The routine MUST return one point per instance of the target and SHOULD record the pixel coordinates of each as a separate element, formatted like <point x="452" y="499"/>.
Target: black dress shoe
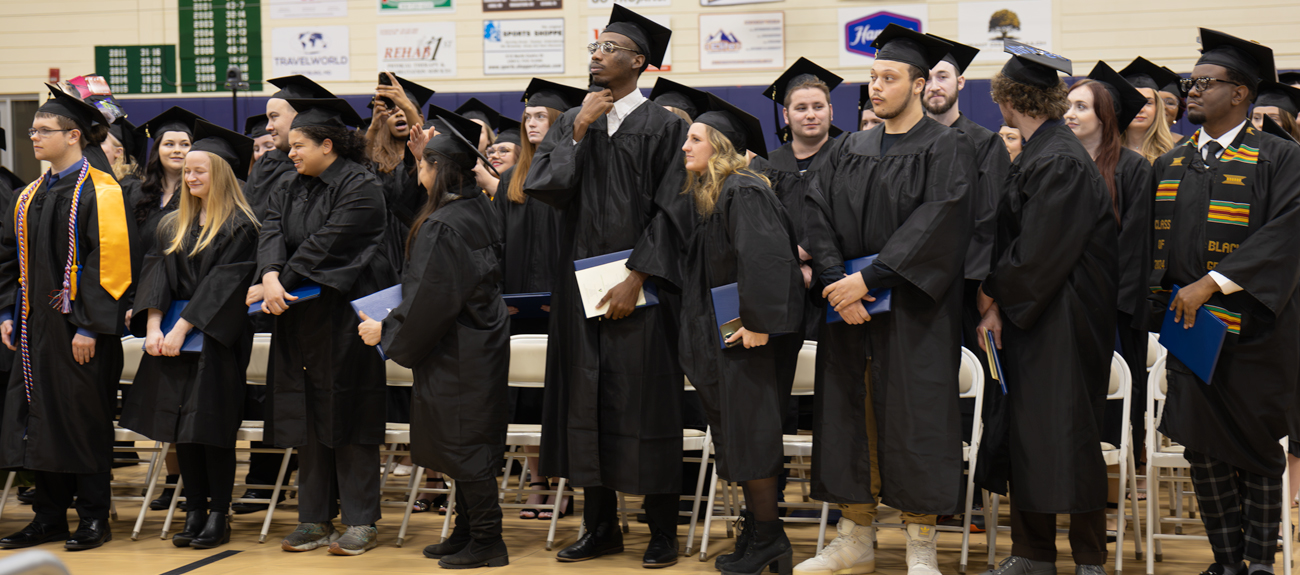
<point x="604" y="539"/>
<point x="34" y="534"/>
<point x="26" y="495"/>
<point x="662" y="552"/>
<point x="242" y="508"/>
<point x="194" y="522"/>
<point x="216" y="533"/>
<point x="90" y="534"/>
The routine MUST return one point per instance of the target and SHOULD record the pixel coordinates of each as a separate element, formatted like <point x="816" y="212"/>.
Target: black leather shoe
<point x="215" y="533"/>
<point x="242" y="508"/>
<point x="90" y="534"/>
<point x="662" y="552"/>
<point x="194" y="522"/>
<point x="604" y="539"/>
<point x="478" y="554"/>
<point x="34" y="534"/>
<point x="26" y="495"/>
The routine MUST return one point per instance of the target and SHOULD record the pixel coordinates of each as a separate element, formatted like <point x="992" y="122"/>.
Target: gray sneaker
<point x="1020" y="566"/>
<point x="357" y="540"/>
<point x="1089" y="570"/>
<point x="310" y="536"/>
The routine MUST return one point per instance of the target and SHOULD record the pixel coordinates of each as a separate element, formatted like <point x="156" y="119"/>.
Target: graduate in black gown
<point x="1227" y="203"/>
<point x="203" y="257"/>
<point x="326" y="225"/>
<point x="64" y="314"/>
<point x="1050" y="301"/>
<point x="172" y="132"/>
<point x="676" y="98"/>
<point x="452" y="330"/>
<point x="902" y="192"/>
<point x="803" y="164"/>
<point x="611" y="420"/>
<point x="275" y="165"/>
<point x="742" y="237"/>
<point x="9" y="181"/>
<point x="263" y="142"/>
<point x="397" y="104"/>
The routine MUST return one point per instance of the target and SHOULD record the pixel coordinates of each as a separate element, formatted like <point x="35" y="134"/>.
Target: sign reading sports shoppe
<point x="316" y="51"/>
<point x="523" y="47"/>
<point x="860" y="26"/>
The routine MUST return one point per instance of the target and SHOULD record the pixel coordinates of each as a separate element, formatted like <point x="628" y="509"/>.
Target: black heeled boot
<point x="194" y="523"/>
<point x="744" y="534"/>
<point x="216" y="533"/>
<point x="459" y="538"/>
<point x="483" y="511"/>
<point x="769" y="546"/>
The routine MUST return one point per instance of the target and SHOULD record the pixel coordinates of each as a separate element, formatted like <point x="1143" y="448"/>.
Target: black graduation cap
<point x="1252" y="60"/>
<point x="864" y="100"/>
<point x="454" y="142"/>
<point x="1128" y="101"/>
<point x="685" y="98"/>
<point x="1034" y="66"/>
<point x="899" y="44"/>
<point x="255" y="126"/>
<point x="1289" y="78"/>
<point x="1271" y="127"/>
<point x="1143" y="73"/>
<point x="555" y="96"/>
<point x="960" y="55"/>
<point x="298" y="86"/>
<point x="132" y="139"/>
<point x="330" y="112"/>
<point x="63" y="104"/>
<point x="475" y="109"/>
<point x="434" y="117"/>
<point x="1175" y="86"/>
<point x="739" y="126"/>
<point x="649" y="36"/>
<point x="235" y="148"/>
<point x="417" y="94"/>
<point x="1278" y="94"/>
<point x="802" y="67"/>
<point x="173" y="119"/>
<point x="509" y="133"/>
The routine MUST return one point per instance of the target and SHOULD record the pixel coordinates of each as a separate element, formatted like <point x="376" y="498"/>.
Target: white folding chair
<point x="1163" y="453"/>
<point x="400" y="433"/>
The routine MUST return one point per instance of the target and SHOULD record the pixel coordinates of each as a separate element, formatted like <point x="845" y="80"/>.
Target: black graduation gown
<point x="530" y="232"/>
<point x="196" y="397"/>
<point x="1242" y="413"/>
<point x="68" y="426"/>
<point x="328" y="229"/>
<point x="9" y="181"/>
<point x="1055" y="281"/>
<point x="403" y="197"/>
<point x="993" y="162"/>
<point x="1133" y="183"/>
<point x="793" y="187"/>
<point x="267" y="172"/>
<point x="748" y="240"/>
<point x="457" y="340"/>
<point x="612" y="412"/>
<point x="148" y="232"/>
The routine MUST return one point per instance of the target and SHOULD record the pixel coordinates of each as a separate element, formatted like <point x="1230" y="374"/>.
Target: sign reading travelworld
<point x="417" y="50"/>
<point x="860" y="26"/>
<point x="216" y="34"/>
<point x="137" y="69"/>
<point x="319" y="52"/>
<point x="523" y="47"/>
<point x="742" y="41"/>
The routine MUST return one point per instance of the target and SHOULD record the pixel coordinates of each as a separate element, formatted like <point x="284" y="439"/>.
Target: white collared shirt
<point x="1226" y="285"/>
<point x="622" y="108"/>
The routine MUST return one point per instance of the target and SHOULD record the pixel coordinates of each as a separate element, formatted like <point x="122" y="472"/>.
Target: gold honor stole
<point x="1227" y="219"/>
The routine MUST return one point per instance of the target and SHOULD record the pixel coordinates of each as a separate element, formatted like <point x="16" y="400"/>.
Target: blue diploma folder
<point x="995" y="361"/>
<point x="1198" y="347"/>
<point x="308" y="290"/>
<point x="882" y="303"/>
<point x="377" y="305"/>
<point x="651" y="292"/>
<point x="528" y="304"/>
<point x="726" y="310"/>
<point x="193" y="340"/>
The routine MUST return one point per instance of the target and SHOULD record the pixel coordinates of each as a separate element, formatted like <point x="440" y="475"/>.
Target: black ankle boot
<point x="459" y="540"/>
<point x="215" y="533"/>
<point x="194" y="523"/>
<point x="477" y="502"/>
<point x="165" y="499"/>
<point x="769" y="546"/>
<point x="478" y="554"/>
<point x="744" y="535"/>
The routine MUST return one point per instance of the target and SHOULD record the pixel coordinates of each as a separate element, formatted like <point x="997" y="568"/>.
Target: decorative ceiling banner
<point x="985" y="25"/>
<point x="742" y="41"/>
<point x="597" y="23"/>
<point x="859" y="27"/>
<point x="417" y="50"/>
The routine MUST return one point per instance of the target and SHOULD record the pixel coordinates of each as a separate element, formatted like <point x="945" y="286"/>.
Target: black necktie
<point x="1212" y="150"/>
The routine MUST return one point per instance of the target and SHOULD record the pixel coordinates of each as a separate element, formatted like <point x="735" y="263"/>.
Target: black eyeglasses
<point x="44" y="132"/>
<point x="607" y="47"/>
<point x="1202" y="84"/>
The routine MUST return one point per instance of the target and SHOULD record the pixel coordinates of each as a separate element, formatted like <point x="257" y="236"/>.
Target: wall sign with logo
<point x="503" y="5"/>
<point x="742" y="41"/>
<point x="860" y="26"/>
<point x="394" y="7"/>
<point x="629" y="3"/>
<point x="137" y="69"/>
<point x="418" y="49"/>
<point x="318" y="52"/>
<point x="286" y="9"/>
<point x="985" y="25"/>
<point x="597" y="23"/>
<point x="215" y="34"/>
<point x="733" y="2"/>
<point x="523" y="47"/>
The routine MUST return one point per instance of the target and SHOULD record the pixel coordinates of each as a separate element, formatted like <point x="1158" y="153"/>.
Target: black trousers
<point x="54" y="493"/>
<point x="209" y="474"/>
<point x="1241" y="510"/>
<point x="1033" y="536"/>
<point x="344" y="476"/>
<point x="600" y="505"/>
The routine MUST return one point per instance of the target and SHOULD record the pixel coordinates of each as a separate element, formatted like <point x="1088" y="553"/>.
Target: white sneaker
<point x="851" y="553"/>
<point x="403" y="470"/>
<point x="921" y="552"/>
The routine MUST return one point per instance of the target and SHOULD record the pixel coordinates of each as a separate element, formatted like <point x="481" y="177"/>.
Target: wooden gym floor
<point x="526" y="539"/>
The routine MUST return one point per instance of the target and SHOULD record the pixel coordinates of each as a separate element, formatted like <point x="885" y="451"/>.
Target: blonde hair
<point x="515" y="191"/>
<point x="725" y="161"/>
<point x="224" y="197"/>
<point x="1158" y="138"/>
<point x="123" y="166"/>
